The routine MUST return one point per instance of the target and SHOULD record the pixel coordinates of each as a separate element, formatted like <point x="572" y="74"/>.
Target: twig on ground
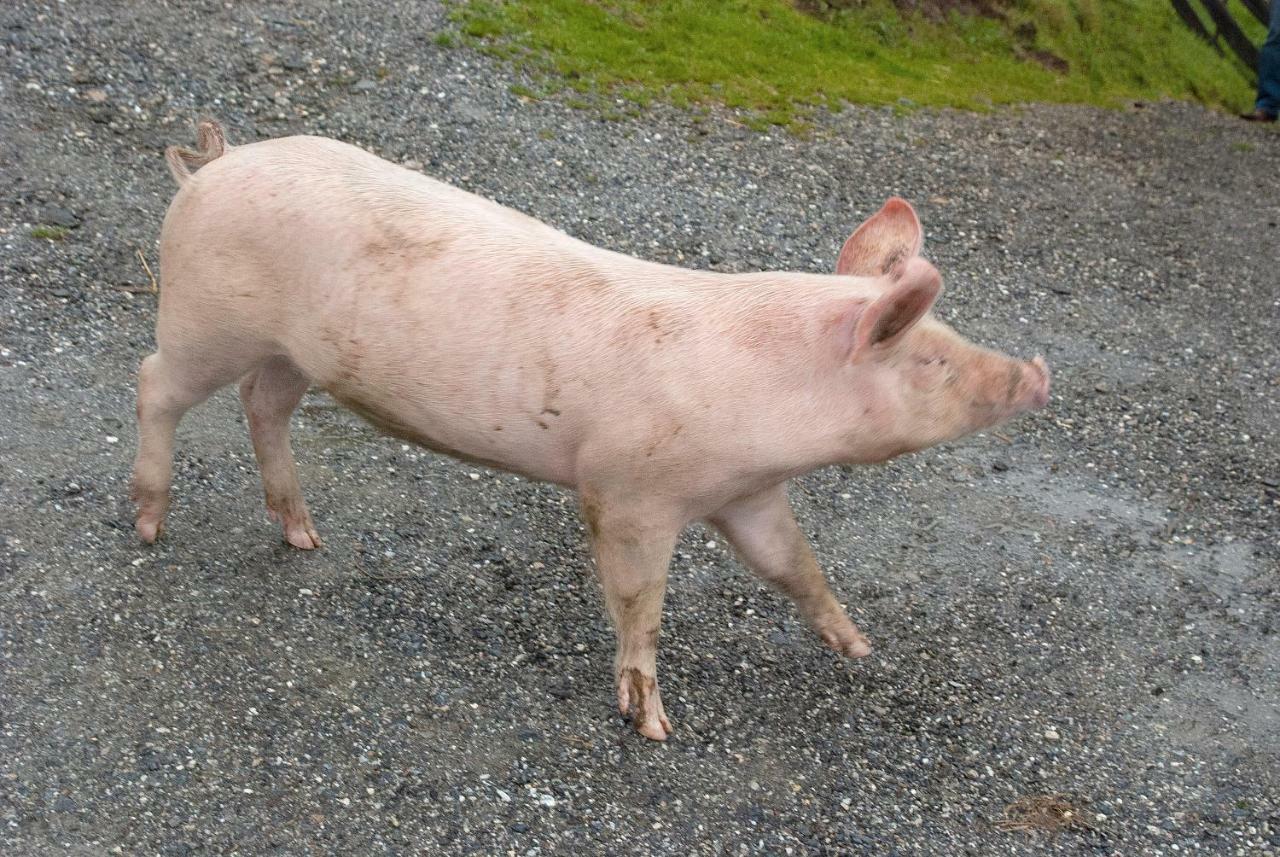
<point x="155" y="287"/>
<point x="1052" y="813"/>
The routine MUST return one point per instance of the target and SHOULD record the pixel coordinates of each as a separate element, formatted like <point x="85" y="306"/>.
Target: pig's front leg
<point x="632" y="547"/>
<point x="765" y="534"/>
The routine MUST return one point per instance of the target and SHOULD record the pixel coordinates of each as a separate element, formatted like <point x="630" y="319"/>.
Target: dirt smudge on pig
<point x="392" y="248"/>
<point x="669" y="435"/>
<point x="591" y="511"/>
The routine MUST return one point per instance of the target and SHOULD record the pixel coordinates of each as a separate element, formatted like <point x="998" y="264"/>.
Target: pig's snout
<point x="1034" y="389"/>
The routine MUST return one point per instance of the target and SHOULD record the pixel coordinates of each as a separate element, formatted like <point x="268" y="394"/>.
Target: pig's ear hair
<point x="886" y="240"/>
<point x="910" y="294"/>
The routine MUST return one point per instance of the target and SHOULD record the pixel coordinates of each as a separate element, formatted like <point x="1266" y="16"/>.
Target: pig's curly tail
<point x="211" y="143"/>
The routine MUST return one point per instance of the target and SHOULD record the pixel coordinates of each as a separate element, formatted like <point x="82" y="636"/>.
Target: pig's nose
<point x="1036" y="378"/>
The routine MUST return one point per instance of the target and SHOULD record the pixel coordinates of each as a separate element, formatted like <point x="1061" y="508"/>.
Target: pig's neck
<point x="778" y="351"/>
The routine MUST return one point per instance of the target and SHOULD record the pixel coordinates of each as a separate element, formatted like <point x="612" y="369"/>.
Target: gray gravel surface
<point x="1084" y="604"/>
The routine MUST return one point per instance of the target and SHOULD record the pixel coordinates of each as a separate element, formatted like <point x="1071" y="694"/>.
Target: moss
<point x="50" y="233"/>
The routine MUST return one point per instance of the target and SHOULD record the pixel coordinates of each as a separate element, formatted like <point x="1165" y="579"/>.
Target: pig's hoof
<point x="149" y="527"/>
<point x="638" y="697"/>
<point x="299" y="531"/>
<point x="302" y="536"/>
<point x="846" y="639"/>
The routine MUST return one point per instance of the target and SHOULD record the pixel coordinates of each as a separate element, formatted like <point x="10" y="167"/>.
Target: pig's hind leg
<point x="633" y="549"/>
<point x="269" y="395"/>
<point x="170" y="382"/>
<point x="764" y="532"/>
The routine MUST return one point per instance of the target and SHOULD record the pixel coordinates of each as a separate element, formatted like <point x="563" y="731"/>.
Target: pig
<point x="661" y="395"/>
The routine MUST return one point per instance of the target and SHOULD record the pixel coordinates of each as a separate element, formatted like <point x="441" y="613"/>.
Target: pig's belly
<point x="426" y="358"/>
<point x="539" y="453"/>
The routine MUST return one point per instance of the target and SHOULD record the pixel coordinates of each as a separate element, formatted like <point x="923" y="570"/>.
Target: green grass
<point x="778" y="64"/>
<point x="50" y="233"/>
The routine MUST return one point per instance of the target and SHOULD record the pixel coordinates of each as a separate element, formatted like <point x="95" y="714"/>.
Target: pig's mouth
<point x="1026" y="389"/>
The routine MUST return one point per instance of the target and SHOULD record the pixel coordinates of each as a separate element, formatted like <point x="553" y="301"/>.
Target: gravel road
<point x="1085" y="604"/>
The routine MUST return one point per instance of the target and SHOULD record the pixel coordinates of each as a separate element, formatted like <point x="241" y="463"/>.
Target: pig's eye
<point x="933" y="361"/>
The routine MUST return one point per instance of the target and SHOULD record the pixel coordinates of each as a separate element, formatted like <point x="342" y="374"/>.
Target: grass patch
<point x="778" y="63"/>
<point x="50" y="233"/>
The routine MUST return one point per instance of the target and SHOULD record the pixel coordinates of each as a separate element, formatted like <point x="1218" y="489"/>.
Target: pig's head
<point x="914" y="381"/>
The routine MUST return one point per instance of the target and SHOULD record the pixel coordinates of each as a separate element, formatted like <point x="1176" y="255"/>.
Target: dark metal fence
<point x="1221" y="29"/>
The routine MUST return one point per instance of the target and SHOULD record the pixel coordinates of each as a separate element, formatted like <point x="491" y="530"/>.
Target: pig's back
<point x="325" y="197"/>
<point x="309" y="231"/>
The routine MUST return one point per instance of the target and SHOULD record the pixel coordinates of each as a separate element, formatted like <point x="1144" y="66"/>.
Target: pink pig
<point x="662" y="395"/>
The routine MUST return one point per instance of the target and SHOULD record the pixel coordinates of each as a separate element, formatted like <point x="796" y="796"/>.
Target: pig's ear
<point x="888" y="238"/>
<point x="911" y="293"/>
